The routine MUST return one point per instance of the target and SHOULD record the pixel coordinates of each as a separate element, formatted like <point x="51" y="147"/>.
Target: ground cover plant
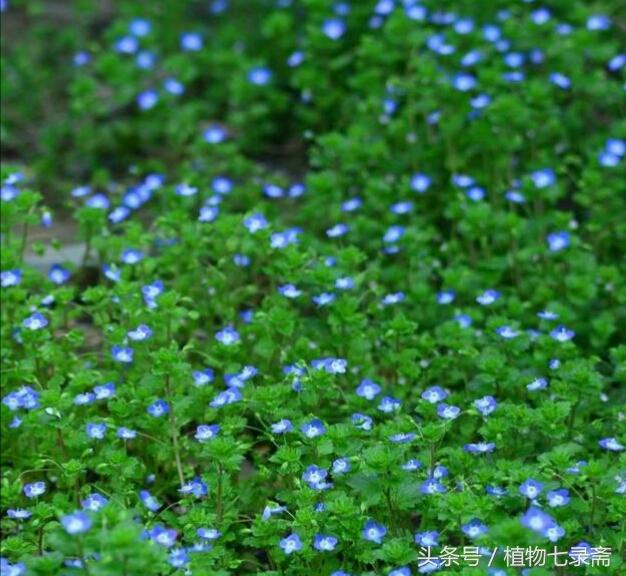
<point x="310" y="287"/>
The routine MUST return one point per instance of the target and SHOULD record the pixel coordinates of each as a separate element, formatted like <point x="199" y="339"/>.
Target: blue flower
<point x="488" y="297"/>
<point x="537" y="520"/>
<point x="420" y="182"/>
<point x="558" y="497"/>
<point x="480" y="447"/>
<point x="104" y="391"/>
<point x="206" y="432"/>
<point x="446" y="297"/>
<point x="434" y="394"/>
<point x="173" y="86"/>
<point x="531" y="488"/>
<point x="18" y="514"/>
<point x="411" y="465"/>
<point x="150" y="292"/>
<point x="255" y="222"/>
<point x="282" y="426"/>
<point x="289" y="291"/>
<point x="36" y="321"/>
<point x="334" y="28"/>
<point x="94" y="502"/>
<point x="374" y="532"/>
<point x="191" y="42"/>
<point x="76" y="523"/>
<point x="140" y="27"/>
<point x="351" y="205"/>
<point x="598" y="22"/>
<point x="345" y="283"/>
<point x="402" y="571"/>
<point x="313" y="428"/>
<point x="432" y="486"/>
<point x="540" y="16"/>
<point x="126" y="45"/>
<point x="507" y="332"/>
<point x="341" y="466"/>
<point x="448" y="412"/>
<point x="537" y="384"/>
<point x="270" y="511"/>
<point x="208" y="533"/>
<point x="126" y="433"/>
<point x="362" y="421"/>
<point x="164" y="536"/>
<point x="337" y="230"/>
<point x="122" y="354"/>
<point x="388" y="404"/>
<point x="178" y="558"/>
<point x="324" y="542"/>
<point x="560" y="80"/>
<point x="141" y="333"/>
<point x="131" y="256"/>
<point x="427" y="539"/>
<point x="295" y="59"/>
<point x="148" y="99"/>
<point x="145" y="60"/>
<point x="543" y="178"/>
<point x="158" y="408"/>
<point x="10" y="278"/>
<point x="34" y="489"/>
<point x="96" y="431"/>
<point x="611" y="444"/>
<point x="464" y="82"/>
<point x="196" y="487"/>
<point x="323" y="299"/>
<point x="214" y="134"/>
<point x="291" y="543"/>
<point x="368" y="389"/>
<point x="149" y="501"/>
<point x="400" y="208"/>
<point x="474" y="528"/>
<point x="547" y="315"/>
<point x="227" y="336"/>
<point x="259" y="76"/>
<point x="402" y="437"/>
<point x="486" y="405"/>
<point x="394" y="298"/>
<point x="562" y="334"/>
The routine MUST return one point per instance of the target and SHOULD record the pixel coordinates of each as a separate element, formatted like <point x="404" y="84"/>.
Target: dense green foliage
<point x="351" y="287"/>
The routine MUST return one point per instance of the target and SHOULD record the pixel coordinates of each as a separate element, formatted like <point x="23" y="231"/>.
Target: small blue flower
<point x="282" y="426"/>
<point x="323" y="299"/>
<point x="228" y="396"/>
<point x="411" y="465"/>
<point x="131" y="256"/>
<point x="543" y="178"/>
<point x="393" y="298"/>
<point x="206" y="432"/>
<point x="255" y="223"/>
<point x="227" y="336"/>
<point x="402" y="571"/>
<point x="480" y="447"/>
<point x="448" y="412"/>
<point x="611" y="444"/>
<point x="562" y="334"/>
<point x="400" y="208"/>
<point x="270" y="511"/>
<point x="402" y="437"/>
<point x="122" y="354"/>
<point x="313" y="428"/>
<point x="291" y="544"/>
<point x="432" y="486"/>
<point x="34" y="489"/>
<point x="434" y="394"/>
<point x="464" y="82"/>
<point x="126" y="45"/>
<point x="345" y="283"/>
<point x="195" y="487"/>
<point x="558" y="497"/>
<point x="334" y="28"/>
<point x="94" y="502"/>
<point x="158" y="408"/>
<point x="76" y="523"/>
<point x="368" y="389"/>
<point x="126" y="433"/>
<point x="141" y="333"/>
<point x="163" y="536"/>
<point x="446" y="297"/>
<point x="208" y="533"/>
<point x="295" y="59"/>
<point x="10" y="278"/>
<point x="140" y="27"/>
<point x="104" y="391"/>
<point x="325" y="542"/>
<point x="560" y="80"/>
<point x="531" y="488"/>
<point x="149" y="501"/>
<point x="337" y="230"/>
<point x="537" y="384"/>
<point x="173" y="86"/>
<point x="486" y="405"/>
<point x="214" y="134"/>
<point x="420" y="183"/>
<point x="260" y="76"/>
<point x="374" y="532"/>
<point x="18" y="514"/>
<point x="540" y="16"/>
<point x="488" y="297"/>
<point x="537" y="520"/>
<point x="96" y="431"/>
<point x="388" y="404"/>
<point x="427" y="539"/>
<point x="474" y="528"/>
<point x="362" y="421"/>
<point x="289" y="291"/>
<point x="507" y="332"/>
<point x="36" y="321"/>
<point x="598" y="22"/>
<point x="341" y="466"/>
<point x="148" y="99"/>
<point x="191" y="42"/>
<point x="351" y="205"/>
